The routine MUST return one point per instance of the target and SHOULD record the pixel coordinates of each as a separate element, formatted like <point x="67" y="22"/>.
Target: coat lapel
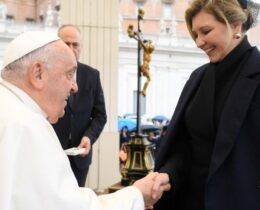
<point x="187" y="92"/>
<point x="234" y="113"/>
<point x="80" y="84"/>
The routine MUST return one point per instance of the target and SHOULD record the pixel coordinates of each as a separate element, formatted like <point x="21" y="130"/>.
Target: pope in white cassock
<point x="35" y="173"/>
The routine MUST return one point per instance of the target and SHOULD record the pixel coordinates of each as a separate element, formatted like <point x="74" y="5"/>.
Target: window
<point x="41" y="18"/>
<point x="167" y="11"/>
<point x="167" y="1"/>
<point x="29" y="20"/>
<point x="139" y="5"/>
<point x="9" y="17"/>
<point x="168" y="29"/>
<point x="57" y="7"/>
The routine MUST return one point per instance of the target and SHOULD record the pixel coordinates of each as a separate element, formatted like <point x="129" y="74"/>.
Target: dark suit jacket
<point x="87" y="115"/>
<point x="233" y="182"/>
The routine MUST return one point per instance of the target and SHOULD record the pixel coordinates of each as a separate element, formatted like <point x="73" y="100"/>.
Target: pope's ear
<point x="37" y="74"/>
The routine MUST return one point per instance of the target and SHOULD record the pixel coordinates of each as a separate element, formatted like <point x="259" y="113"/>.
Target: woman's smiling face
<point x="213" y="36"/>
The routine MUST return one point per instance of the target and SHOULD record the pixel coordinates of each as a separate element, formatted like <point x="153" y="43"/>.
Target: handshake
<point x="152" y="187"/>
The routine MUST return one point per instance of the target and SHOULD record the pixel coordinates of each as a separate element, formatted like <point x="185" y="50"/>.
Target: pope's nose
<point x="74" y="87"/>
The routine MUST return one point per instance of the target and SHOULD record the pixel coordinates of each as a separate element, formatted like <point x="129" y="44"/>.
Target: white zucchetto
<point x="26" y="43"/>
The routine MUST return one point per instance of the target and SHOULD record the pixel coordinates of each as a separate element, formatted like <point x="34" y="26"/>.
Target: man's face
<point x="61" y="81"/>
<point x="71" y="36"/>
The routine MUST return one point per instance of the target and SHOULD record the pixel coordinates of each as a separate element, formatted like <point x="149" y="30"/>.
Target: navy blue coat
<point x="233" y="181"/>
<point x="87" y="115"/>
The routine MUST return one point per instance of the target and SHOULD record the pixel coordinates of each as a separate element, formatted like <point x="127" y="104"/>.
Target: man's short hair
<point x="68" y="25"/>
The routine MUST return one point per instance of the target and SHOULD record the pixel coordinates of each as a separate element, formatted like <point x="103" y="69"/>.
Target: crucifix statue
<point x="140" y="152"/>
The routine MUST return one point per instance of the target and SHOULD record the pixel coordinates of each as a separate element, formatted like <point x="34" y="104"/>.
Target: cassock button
<point x="258" y="184"/>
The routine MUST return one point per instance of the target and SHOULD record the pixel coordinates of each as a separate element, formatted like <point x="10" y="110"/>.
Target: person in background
<point x="124" y="135"/>
<point x="210" y="153"/>
<point x="160" y="138"/>
<point x="35" y="173"/>
<point x="85" y="113"/>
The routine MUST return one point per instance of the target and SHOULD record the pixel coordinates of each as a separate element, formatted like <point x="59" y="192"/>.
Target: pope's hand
<point x="151" y="189"/>
<point x="161" y="184"/>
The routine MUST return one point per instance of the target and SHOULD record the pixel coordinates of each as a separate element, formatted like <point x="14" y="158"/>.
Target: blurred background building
<point x="174" y="58"/>
<point x="17" y="16"/>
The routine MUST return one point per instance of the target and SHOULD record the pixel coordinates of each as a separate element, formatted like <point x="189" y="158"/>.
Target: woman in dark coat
<point x="211" y="152"/>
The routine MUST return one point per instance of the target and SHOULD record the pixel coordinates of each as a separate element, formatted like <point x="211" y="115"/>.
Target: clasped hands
<point x="152" y="187"/>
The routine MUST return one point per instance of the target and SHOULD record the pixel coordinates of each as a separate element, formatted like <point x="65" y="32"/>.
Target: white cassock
<point x="35" y="173"/>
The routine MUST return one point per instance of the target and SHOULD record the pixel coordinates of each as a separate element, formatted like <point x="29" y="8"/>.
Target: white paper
<point x="74" y="151"/>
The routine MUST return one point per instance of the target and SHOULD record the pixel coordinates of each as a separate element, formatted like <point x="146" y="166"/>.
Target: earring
<point x="237" y="35"/>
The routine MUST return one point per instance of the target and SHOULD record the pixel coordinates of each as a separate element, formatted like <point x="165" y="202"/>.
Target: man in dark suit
<point x="85" y="114"/>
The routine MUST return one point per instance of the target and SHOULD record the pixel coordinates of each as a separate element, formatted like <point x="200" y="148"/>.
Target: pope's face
<point x="61" y="81"/>
<point x="212" y="36"/>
